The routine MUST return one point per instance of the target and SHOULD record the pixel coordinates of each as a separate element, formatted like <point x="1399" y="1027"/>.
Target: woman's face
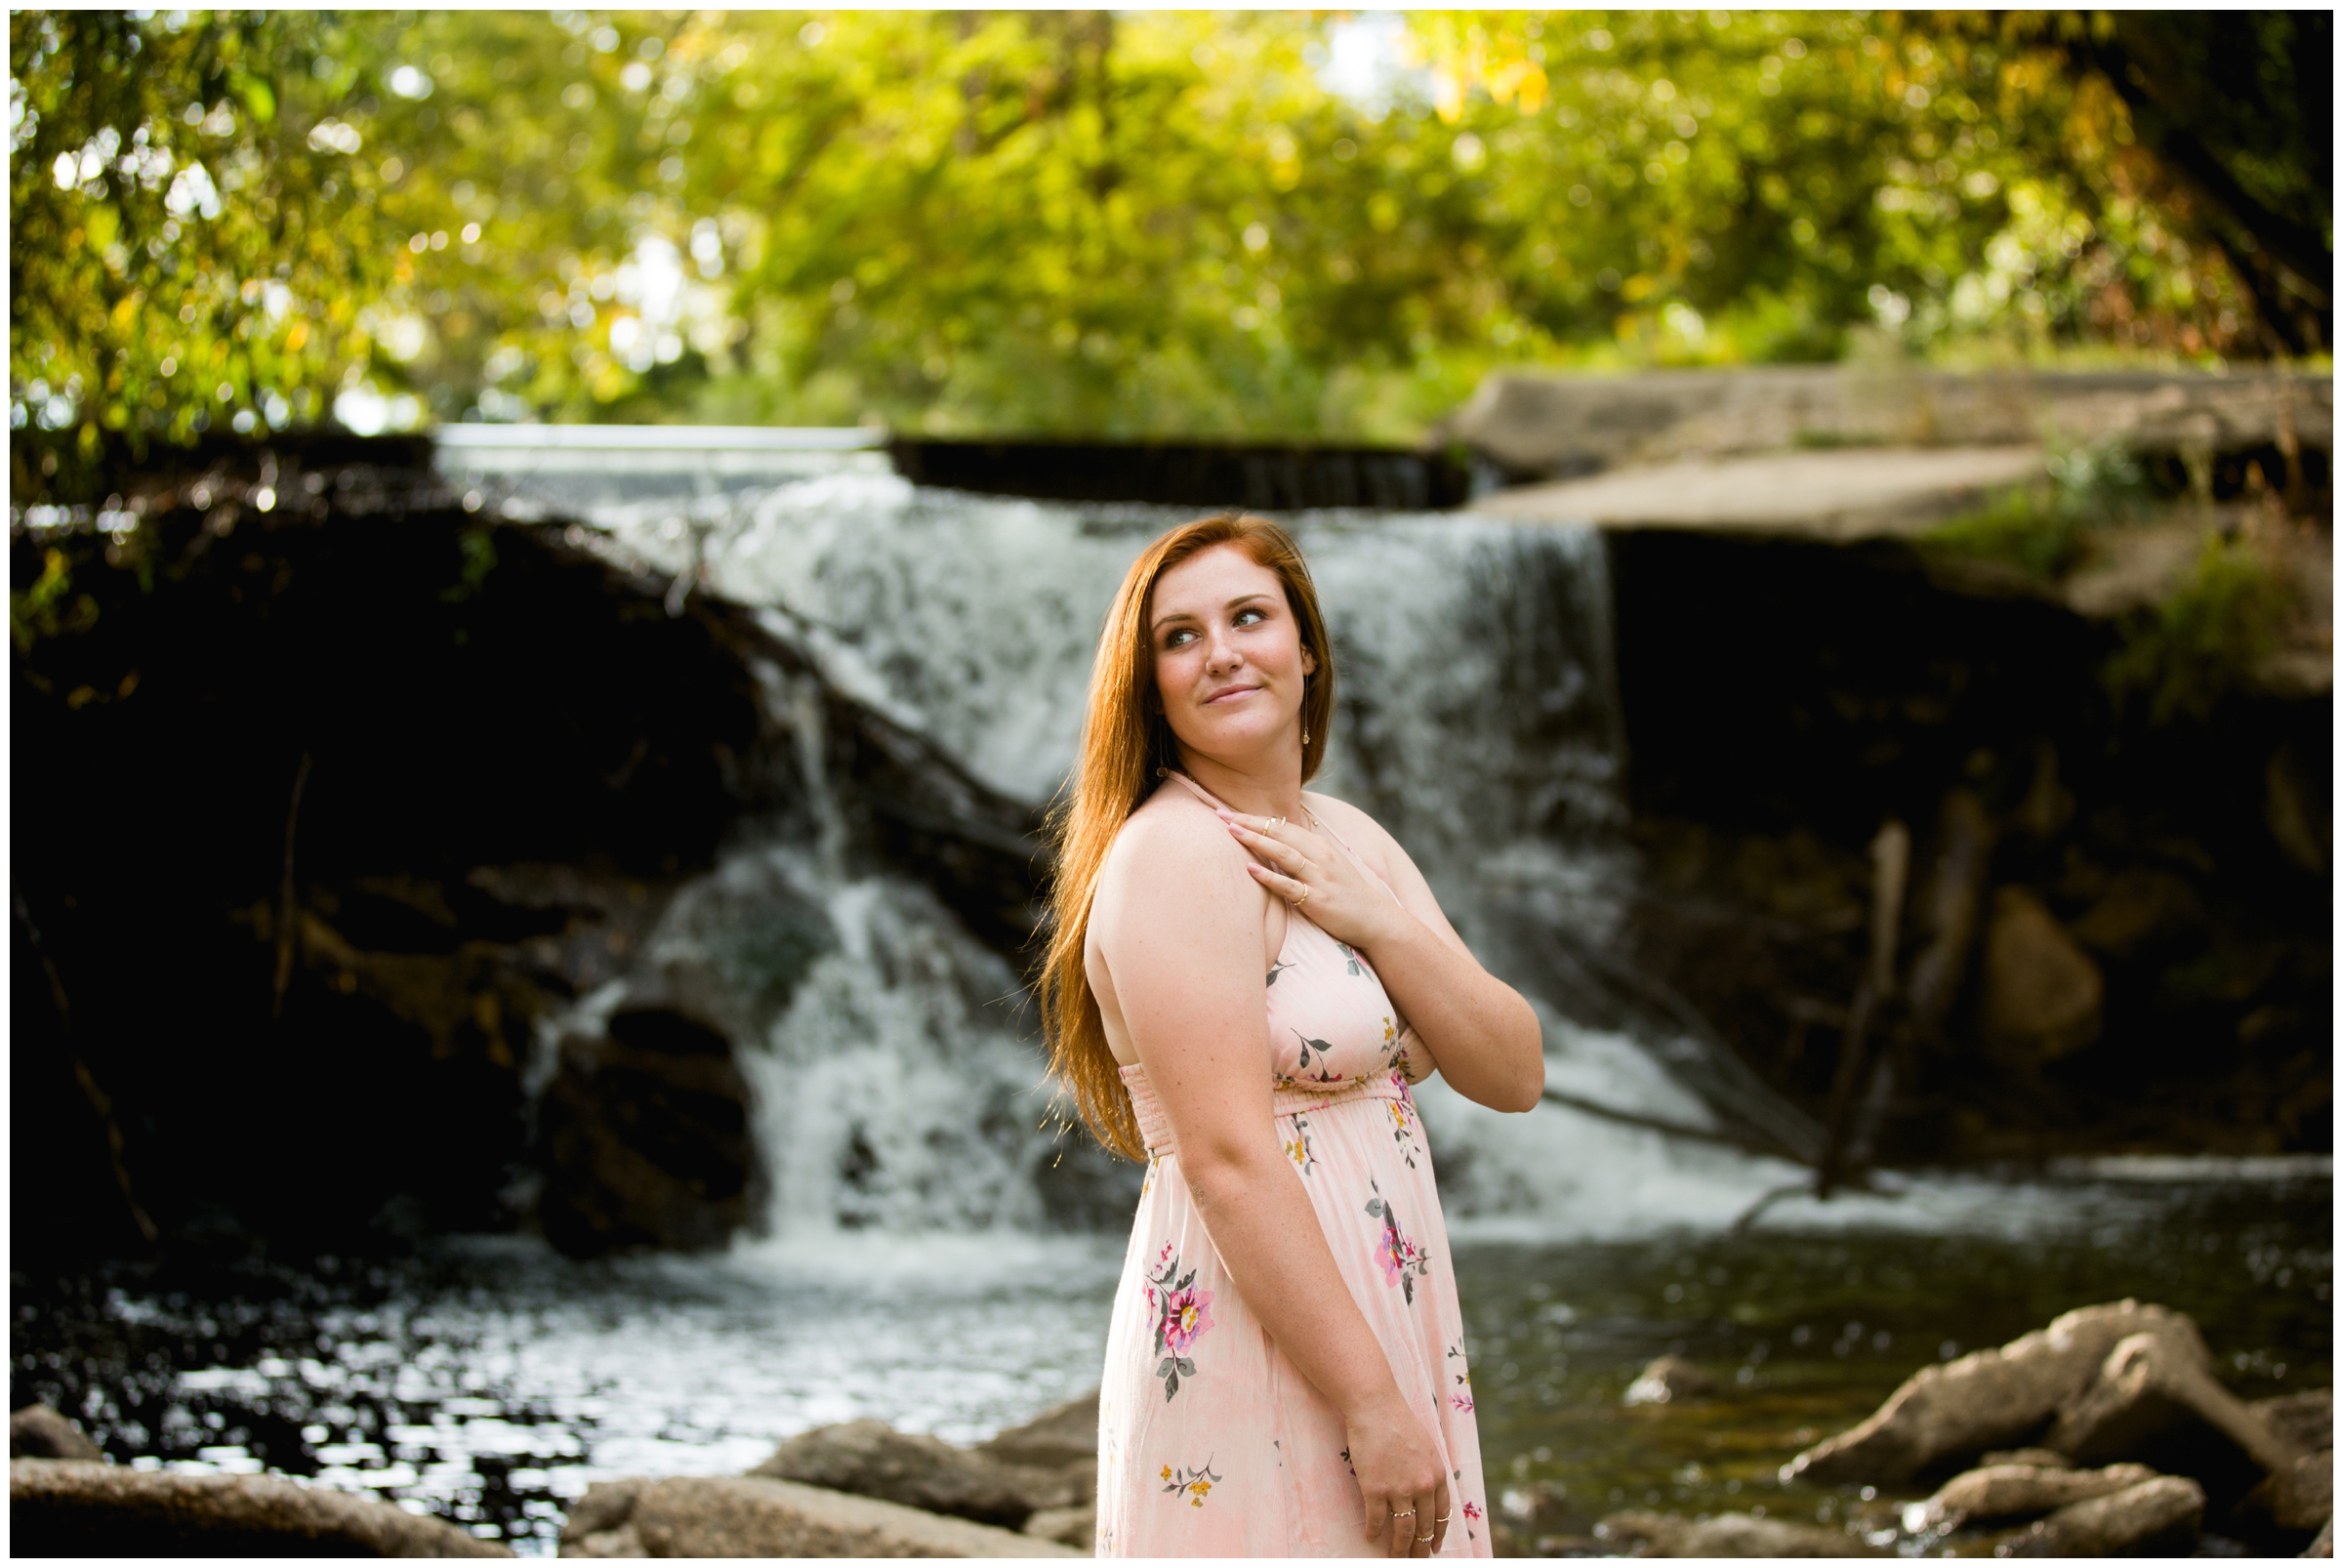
<point x="1229" y="663"/>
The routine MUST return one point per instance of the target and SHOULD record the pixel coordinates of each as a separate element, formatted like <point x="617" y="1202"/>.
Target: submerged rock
<point x="38" y="1432"/>
<point x="871" y="1459"/>
<point x="759" y="1516"/>
<point x="1989" y="1398"/>
<point x="1727" y="1534"/>
<point x="2160" y="1513"/>
<point x="74" y="1509"/>
<point x="1669" y="1379"/>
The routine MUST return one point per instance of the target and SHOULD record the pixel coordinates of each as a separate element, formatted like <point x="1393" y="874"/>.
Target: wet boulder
<point x="871" y="1459"/>
<point x="644" y="1138"/>
<point x="38" y="1432"/>
<point x="759" y="1516"/>
<point x="2155" y="1402"/>
<point x="74" y="1509"/>
<point x="1726" y="1535"/>
<point x="1944" y="1415"/>
<point x="2026" y="1491"/>
<point x="1669" y="1379"/>
<point x="2158" y="1516"/>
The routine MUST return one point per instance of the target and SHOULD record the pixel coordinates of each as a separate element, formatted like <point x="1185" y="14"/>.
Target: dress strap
<point x="1340" y="843"/>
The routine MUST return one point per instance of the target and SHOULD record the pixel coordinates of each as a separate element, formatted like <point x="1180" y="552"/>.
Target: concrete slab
<point x="1852" y="493"/>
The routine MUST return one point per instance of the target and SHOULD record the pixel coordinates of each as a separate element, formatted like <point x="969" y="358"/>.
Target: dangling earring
<point x="1305" y="737"/>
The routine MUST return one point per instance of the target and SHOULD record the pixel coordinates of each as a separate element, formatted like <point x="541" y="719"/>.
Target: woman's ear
<point x="1309" y="660"/>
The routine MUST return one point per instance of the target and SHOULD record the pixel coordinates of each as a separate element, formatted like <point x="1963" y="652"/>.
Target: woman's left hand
<point x="1306" y="868"/>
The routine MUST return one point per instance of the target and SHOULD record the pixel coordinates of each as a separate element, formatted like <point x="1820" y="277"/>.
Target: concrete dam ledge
<point x="1544" y="426"/>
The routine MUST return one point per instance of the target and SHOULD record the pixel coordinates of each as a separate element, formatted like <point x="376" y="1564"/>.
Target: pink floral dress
<point x="1211" y="1441"/>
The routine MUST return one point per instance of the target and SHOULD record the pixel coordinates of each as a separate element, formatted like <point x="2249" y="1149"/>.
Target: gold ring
<point x="1420" y="1540"/>
<point x="1297" y="900"/>
<point x="1442" y="1519"/>
<point x="1401" y="1513"/>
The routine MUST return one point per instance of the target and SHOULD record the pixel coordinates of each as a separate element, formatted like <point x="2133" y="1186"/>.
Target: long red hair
<point x="1126" y="746"/>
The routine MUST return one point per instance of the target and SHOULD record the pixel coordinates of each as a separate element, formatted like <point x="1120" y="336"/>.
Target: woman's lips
<point x="1230" y="694"/>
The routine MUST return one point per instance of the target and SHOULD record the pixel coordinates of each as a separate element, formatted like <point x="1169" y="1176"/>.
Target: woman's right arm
<point x="1178" y="923"/>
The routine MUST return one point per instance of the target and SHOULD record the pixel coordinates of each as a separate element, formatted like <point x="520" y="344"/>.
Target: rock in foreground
<point x="2151" y="1401"/>
<point x="1058" y="1438"/>
<point x="1992" y="1398"/>
<point x="2023" y="1490"/>
<point x="76" y="1508"/>
<point x="2162" y="1514"/>
<point x="871" y="1459"/>
<point x="755" y="1517"/>
<point x="1727" y="1534"/>
<point x="38" y="1432"/>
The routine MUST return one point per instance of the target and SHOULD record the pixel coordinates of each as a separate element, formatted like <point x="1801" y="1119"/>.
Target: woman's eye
<point x="1177" y="638"/>
<point x="1246" y="617"/>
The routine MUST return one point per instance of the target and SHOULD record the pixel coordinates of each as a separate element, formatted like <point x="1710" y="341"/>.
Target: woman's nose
<point x="1221" y="653"/>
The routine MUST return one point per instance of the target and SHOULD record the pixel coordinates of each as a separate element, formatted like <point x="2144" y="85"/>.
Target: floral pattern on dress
<point x="1297" y="1147"/>
<point x="1184" y="1315"/>
<point x="1350" y="956"/>
<point x="1278" y="968"/>
<point x="1193" y="1484"/>
<point x="1325" y="1073"/>
<point x="1403" y="1130"/>
<point x="1402" y="1259"/>
<point x="1461" y="1395"/>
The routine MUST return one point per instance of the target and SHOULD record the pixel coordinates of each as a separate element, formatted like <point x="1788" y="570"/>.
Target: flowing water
<point x="912" y="1268"/>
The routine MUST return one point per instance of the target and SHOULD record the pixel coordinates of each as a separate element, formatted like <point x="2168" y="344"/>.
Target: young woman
<point x="1242" y="982"/>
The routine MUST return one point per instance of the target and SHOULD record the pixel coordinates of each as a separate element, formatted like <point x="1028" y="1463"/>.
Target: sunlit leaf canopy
<point x="1123" y="224"/>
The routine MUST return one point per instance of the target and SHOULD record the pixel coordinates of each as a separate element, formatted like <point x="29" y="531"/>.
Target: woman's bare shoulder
<point x="1356" y="828"/>
<point x="1170" y="838"/>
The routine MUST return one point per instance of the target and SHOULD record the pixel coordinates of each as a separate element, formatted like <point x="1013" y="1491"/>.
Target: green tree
<point x="189" y="223"/>
<point x="1149" y="223"/>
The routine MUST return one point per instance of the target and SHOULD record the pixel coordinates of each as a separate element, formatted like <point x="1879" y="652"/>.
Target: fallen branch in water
<point x="1656" y="1123"/>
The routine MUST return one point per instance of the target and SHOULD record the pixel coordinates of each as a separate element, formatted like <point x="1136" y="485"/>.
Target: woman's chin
<point x="1240" y="744"/>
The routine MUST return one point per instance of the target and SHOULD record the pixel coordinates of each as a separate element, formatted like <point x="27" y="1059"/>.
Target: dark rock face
<point x="644" y="1138"/>
<point x="1782" y="699"/>
<point x="69" y="1509"/>
<point x="355" y="788"/>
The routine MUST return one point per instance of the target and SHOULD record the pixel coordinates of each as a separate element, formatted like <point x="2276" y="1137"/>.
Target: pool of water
<point x="489" y="1381"/>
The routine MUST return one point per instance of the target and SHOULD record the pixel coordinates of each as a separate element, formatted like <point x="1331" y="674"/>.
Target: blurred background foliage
<point x="1274" y="223"/>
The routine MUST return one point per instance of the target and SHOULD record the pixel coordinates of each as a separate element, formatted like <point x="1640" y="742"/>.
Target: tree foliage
<point x="1128" y="223"/>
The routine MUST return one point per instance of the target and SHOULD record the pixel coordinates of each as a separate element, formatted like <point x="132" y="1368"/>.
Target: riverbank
<point x="493" y="1382"/>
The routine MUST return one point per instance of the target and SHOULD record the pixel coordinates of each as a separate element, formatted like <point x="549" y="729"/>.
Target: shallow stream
<point x="490" y="1381"/>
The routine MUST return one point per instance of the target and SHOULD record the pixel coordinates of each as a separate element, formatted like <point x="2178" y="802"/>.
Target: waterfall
<point x="1478" y="719"/>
